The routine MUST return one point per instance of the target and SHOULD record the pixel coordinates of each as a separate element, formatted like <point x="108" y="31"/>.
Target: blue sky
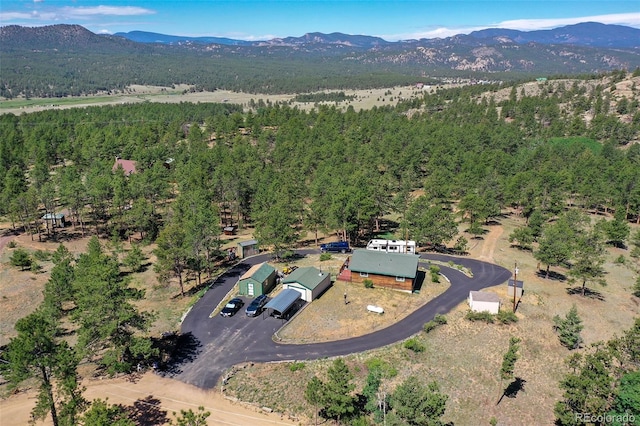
<point x="266" y="19"/>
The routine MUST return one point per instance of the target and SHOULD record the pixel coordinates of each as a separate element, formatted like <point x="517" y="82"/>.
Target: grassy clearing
<point x="362" y="99"/>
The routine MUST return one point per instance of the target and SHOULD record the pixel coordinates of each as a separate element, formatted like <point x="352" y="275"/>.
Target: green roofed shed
<point x="259" y="279"/>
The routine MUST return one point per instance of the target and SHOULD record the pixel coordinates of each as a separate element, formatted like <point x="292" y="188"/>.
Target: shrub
<point x="21" y="258"/>
<point x="507" y="317"/>
<point x="377" y="364"/>
<point x="325" y="256"/>
<point x="42" y="255"/>
<point x="414" y="345"/>
<point x="480" y="316"/>
<point x="295" y="366"/>
<point x="440" y="319"/>
<point x="636" y="288"/>
<point x="367" y="283"/>
<point x="429" y="326"/>
<point x="620" y="260"/>
<point x="434" y="270"/>
<point x="12" y="244"/>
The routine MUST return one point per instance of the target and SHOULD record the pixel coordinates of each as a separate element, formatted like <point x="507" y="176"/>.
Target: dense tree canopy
<point x="284" y="170"/>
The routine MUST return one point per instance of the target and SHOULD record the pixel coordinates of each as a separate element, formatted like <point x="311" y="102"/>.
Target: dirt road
<point x="152" y="400"/>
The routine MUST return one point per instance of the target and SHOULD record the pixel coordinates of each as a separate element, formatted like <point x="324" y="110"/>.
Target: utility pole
<point x="515" y="285"/>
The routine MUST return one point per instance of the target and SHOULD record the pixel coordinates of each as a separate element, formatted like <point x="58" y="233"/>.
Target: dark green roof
<point x="381" y="263"/>
<point x="259" y="272"/>
<point x="309" y="277"/>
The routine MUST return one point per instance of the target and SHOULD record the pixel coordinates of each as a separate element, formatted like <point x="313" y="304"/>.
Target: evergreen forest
<point x="285" y="170"/>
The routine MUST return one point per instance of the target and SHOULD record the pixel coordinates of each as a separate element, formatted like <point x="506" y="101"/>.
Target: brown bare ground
<point x="152" y="400"/>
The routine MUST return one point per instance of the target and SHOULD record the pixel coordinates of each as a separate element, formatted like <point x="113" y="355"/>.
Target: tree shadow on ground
<point x="147" y="411"/>
<point x="555" y="276"/>
<point x="512" y="390"/>
<point x="64" y="235"/>
<point x="589" y="293"/>
<point x="185" y="349"/>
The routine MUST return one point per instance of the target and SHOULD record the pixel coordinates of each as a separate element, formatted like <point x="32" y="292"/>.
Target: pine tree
<point x="588" y="260"/>
<point x="59" y="287"/>
<point x="509" y="359"/>
<point x="38" y="353"/>
<point x="418" y="404"/>
<point x="337" y="398"/>
<point x="109" y="321"/>
<point x="569" y="328"/>
<point x="314" y="394"/>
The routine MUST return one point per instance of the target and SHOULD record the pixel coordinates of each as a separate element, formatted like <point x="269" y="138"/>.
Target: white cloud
<point x="13" y="16"/>
<point x="64" y="14"/>
<point x="105" y="11"/>
<point x="628" y="19"/>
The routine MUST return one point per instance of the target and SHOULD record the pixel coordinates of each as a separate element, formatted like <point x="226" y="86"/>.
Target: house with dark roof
<point x="128" y="166"/>
<point x="309" y="281"/>
<point x="391" y="270"/>
<point x="259" y="279"/>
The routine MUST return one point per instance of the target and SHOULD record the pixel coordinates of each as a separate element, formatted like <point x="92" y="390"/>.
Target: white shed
<point x="481" y="301"/>
<point x="309" y="281"/>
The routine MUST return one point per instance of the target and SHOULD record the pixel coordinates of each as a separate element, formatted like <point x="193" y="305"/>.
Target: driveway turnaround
<point x="209" y="346"/>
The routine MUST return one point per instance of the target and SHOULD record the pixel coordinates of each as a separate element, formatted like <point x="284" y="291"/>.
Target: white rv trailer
<point x="392" y="246"/>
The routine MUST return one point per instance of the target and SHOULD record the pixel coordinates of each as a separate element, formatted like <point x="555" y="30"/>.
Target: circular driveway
<point x="208" y="346"/>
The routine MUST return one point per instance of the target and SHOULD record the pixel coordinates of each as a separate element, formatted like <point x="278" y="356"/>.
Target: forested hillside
<point x="327" y="169"/>
<point x="69" y="60"/>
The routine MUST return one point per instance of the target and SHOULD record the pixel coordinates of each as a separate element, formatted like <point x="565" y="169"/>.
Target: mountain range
<point x="591" y="34"/>
<point x="62" y="60"/>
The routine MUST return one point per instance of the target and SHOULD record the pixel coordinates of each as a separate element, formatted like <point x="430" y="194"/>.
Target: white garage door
<point x="304" y="293"/>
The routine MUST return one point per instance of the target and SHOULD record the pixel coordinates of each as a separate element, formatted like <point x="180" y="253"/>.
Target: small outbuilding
<point x="248" y="248"/>
<point x="519" y="286"/>
<point x="282" y="303"/>
<point x="391" y="270"/>
<point x="259" y="279"/>
<point x="310" y="282"/>
<point x="482" y="301"/>
<point x="56" y="220"/>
